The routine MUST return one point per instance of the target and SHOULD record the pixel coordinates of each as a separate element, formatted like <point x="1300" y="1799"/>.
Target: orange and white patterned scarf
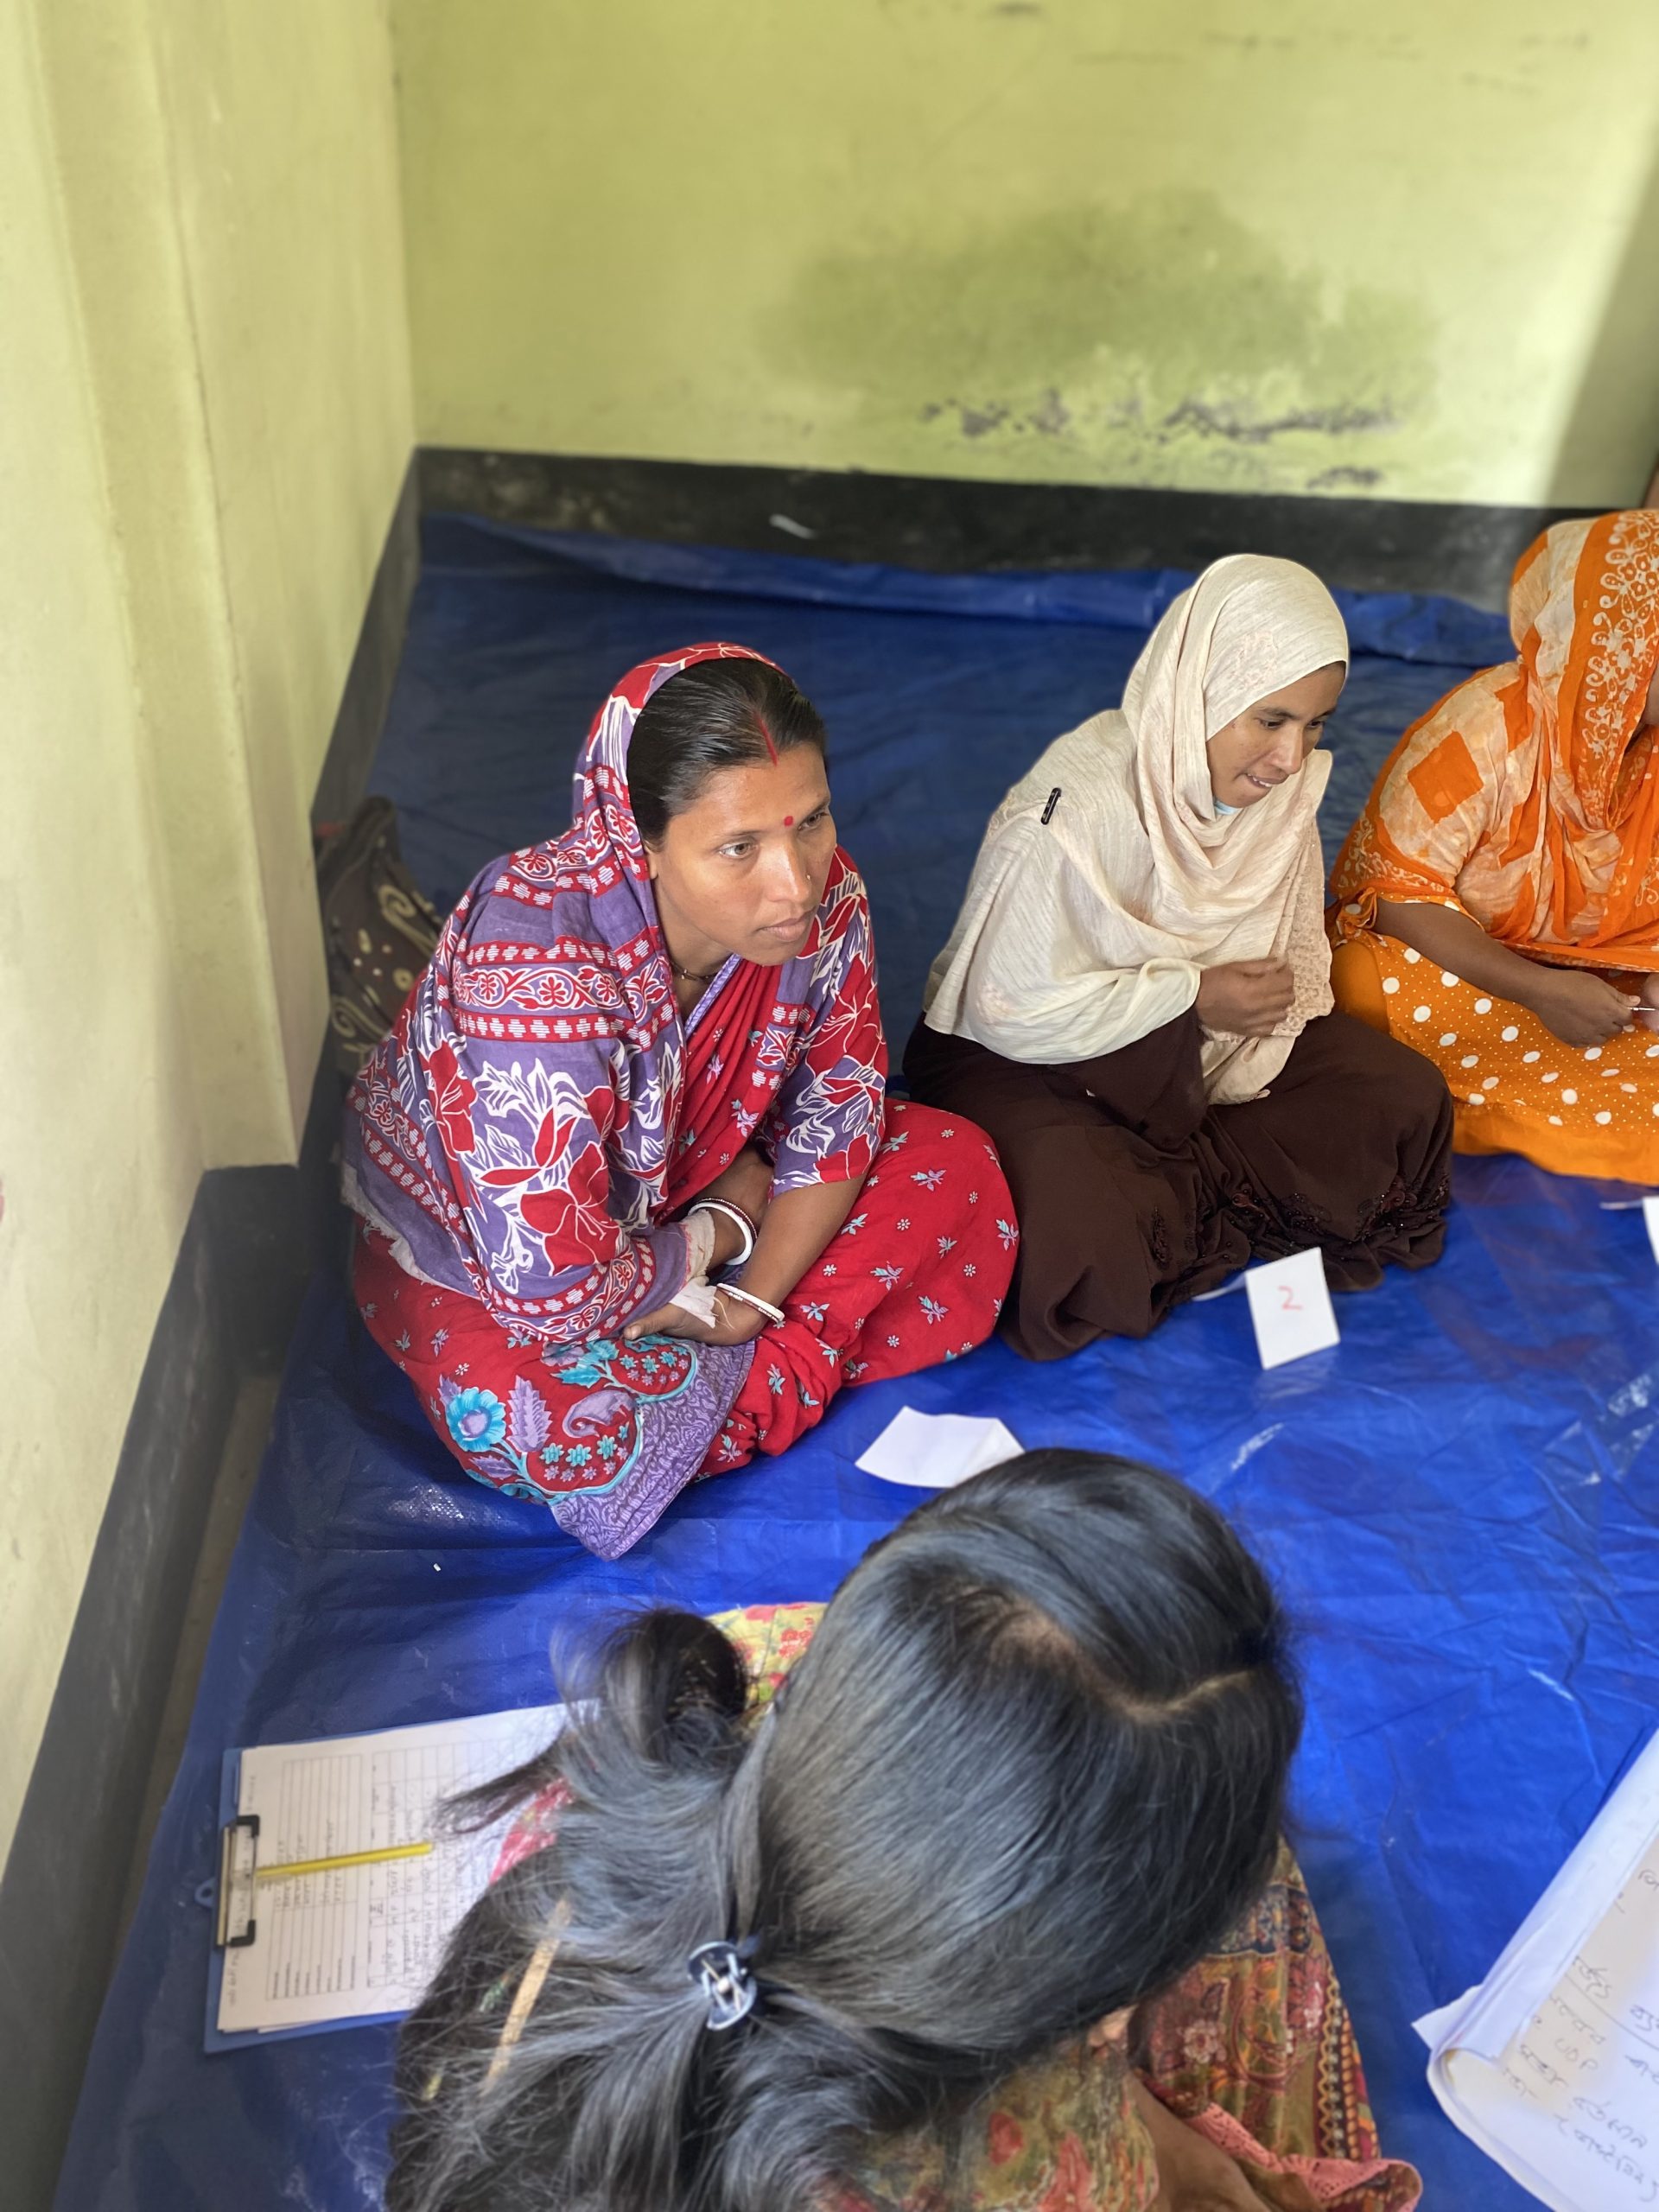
<point x="1528" y="798"/>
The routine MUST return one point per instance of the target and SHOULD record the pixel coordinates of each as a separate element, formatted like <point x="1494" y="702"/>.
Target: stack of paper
<point x="363" y="1941"/>
<point x="1552" y="2065"/>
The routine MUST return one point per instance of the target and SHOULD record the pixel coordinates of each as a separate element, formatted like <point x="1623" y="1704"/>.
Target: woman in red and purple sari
<point x="634" y="1202"/>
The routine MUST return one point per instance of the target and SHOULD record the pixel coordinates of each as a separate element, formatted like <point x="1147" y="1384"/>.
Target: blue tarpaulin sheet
<point x="1459" y="1502"/>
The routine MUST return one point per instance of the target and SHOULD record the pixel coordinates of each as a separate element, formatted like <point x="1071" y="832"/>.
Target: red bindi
<point x="789" y="822"/>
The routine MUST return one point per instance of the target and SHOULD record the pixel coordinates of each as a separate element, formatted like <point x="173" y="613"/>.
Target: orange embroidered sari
<point x="1528" y="799"/>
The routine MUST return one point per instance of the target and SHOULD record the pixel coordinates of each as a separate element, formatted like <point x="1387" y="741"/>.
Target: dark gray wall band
<point x="945" y="523"/>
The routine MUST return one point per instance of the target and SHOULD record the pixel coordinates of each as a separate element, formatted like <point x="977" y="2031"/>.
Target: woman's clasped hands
<point x="1579" y="1007"/>
<point x="747" y="1184"/>
<point x="1246" y="998"/>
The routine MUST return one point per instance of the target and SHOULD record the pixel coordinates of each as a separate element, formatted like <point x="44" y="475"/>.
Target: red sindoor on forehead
<point x="760" y="724"/>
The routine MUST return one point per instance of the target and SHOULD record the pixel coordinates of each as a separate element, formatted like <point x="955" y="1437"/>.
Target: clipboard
<point x="213" y="2038"/>
<point x="356" y="1945"/>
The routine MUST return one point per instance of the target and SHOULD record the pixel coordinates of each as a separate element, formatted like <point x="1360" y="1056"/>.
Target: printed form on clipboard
<point x="361" y="1942"/>
<point x="1552" y="2065"/>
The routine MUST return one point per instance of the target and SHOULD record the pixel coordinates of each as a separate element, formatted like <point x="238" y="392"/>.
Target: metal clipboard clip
<point x="238" y="1855"/>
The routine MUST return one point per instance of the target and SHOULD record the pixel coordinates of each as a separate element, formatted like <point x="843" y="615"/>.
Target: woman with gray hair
<point x="967" y="1897"/>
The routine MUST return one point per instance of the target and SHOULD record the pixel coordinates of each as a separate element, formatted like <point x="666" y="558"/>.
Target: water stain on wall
<point x="1163" y="343"/>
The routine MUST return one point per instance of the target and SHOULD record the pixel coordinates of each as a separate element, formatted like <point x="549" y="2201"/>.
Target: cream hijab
<point x="1108" y="880"/>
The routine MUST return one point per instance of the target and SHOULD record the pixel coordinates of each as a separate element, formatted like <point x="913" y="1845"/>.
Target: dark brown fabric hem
<point x="1133" y="1196"/>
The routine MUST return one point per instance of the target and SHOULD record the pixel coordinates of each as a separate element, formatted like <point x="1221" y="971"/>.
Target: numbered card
<point x="1651" y="1214"/>
<point x="1291" y="1308"/>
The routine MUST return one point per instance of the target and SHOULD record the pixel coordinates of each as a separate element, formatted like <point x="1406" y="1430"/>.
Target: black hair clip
<point x="727" y="1983"/>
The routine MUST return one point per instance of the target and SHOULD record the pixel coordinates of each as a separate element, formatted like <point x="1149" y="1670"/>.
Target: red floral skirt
<point x="607" y="1432"/>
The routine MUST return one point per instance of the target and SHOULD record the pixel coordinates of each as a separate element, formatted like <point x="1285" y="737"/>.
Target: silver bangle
<point x="732" y="1213"/>
<point x="773" y="1313"/>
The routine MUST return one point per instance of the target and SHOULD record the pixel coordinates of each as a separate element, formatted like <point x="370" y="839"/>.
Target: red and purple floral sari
<point x="520" y="1145"/>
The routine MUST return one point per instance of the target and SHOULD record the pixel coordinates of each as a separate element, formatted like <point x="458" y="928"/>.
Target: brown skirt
<point x="1134" y="1194"/>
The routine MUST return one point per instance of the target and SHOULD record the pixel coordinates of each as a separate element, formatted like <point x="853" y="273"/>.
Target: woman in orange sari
<point x="1496" y="905"/>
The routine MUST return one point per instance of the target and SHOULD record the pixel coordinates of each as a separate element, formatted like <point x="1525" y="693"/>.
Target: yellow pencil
<point x="345" y="1859"/>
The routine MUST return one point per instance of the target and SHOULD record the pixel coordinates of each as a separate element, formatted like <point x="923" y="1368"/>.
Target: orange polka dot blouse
<point x="1528" y="799"/>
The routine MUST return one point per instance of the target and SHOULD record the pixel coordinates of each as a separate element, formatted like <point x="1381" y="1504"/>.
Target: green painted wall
<point x="1251" y="245"/>
<point x="99" y="1157"/>
<point x="228" y="184"/>
<point x="205" y="418"/>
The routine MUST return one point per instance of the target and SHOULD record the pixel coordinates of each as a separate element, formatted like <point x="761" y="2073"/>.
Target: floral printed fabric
<point x="916" y="1276"/>
<point x="1255" y="2050"/>
<point x="1254" y="2047"/>
<point x="531" y="1122"/>
<point x="607" y="1433"/>
<point x="1528" y="798"/>
<point x="518" y="1146"/>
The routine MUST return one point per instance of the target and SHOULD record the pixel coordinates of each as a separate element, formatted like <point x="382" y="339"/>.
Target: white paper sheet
<point x="1552" y="2065"/>
<point x="937" y="1451"/>
<point x="365" y="1939"/>
<point x="1290" y="1305"/>
<point x="696" y="1297"/>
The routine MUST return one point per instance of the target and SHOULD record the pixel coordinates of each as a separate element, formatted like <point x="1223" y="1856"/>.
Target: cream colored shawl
<point x="1107" y="881"/>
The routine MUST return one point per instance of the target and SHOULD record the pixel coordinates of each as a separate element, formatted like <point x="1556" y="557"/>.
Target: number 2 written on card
<point x="1290" y="1306"/>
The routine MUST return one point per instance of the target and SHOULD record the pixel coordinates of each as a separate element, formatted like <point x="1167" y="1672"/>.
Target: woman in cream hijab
<point x="1136" y="1002"/>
